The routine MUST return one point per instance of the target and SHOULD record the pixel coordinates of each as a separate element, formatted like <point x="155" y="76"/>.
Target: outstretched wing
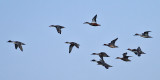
<point x="94" y="19"/>
<point x="70" y="48"/>
<point x="16" y="46"/>
<point x="20" y="47"/>
<point x="124" y="54"/>
<point x="146" y="33"/>
<point x="138" y="49"/>
<point x="113" y="41"/>
<point x="58" y="30"/>
<point x="77" y="45"/>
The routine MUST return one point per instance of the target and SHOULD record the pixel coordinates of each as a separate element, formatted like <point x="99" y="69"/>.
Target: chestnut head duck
<point x="144" y="35"/>
<point x="94" y="22"/>
<point x="125" y="57"/>
<point x="58" y="27"/>
<point x="71" y="45"/>
<point x="17" y="44"/>
<point x="112" y="44"/>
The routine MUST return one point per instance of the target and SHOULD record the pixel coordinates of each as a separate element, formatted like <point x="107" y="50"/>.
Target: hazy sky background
<point x="46" y="56"/>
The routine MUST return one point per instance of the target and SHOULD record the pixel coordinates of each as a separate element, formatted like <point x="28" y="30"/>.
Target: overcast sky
<point x="46" y="56"/>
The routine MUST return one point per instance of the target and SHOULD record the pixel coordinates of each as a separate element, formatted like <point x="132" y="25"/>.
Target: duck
<point x="94" y="22"/>
<point x="112" y="44"/>
<point x="101" y="54"/>
<point x="17" y="44"/>
<point x="102" y="62"/>
<point x="58" y="27"/>
<point x="144" y="35"/>
<point x="133" y="50"/>
<point x="137" y="51"/>
<point x="140" y="51"/>
<point x="72" y="44"/>
<point x="125" y="57"/>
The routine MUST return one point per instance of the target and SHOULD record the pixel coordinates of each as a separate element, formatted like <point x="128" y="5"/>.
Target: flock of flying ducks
<point x="137" y="51"/>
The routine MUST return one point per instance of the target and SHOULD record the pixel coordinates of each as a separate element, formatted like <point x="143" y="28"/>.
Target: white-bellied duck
<point x="125" y="57"/>
<point x="144" y="35"/>
<point x="112" y="44"/>
<point x="17" y="44"/>
<point x="101" y="54"/>
<point x="103" y="63"/>
<point x="58" y="27"/>
<point x="94" y="22"/>
<point x="71" y="45"/>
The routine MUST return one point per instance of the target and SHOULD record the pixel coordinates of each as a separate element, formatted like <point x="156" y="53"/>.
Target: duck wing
<point x="113" y="41"/>
<point x="70" y="48"/>
<point x="77" y="45"/>
<point x="58" y="30"/>
<point x="16" y="46"/>
<point x="124" y="54"/>
<point x="146" y="33"/>
<point x="20" y="47"/>
<point x="94" y="19"/>
<point x="101" y="56"/>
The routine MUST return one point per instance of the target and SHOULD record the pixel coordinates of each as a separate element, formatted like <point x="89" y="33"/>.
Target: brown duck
<point x="58" y="27"/>
<point x="71" y="45"/>
<point x="101" y="54"/>
<point x="144" y="35"/>
<point x="112" y="44"/>
<point x="94" y="22"/>
<point x="103" y="63"/>
<point x="125" y="57"/>
<point x="17" y="44"/>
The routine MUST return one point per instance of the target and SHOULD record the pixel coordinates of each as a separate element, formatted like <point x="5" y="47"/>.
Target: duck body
<point x="94" y="22"/>
<point x="17" y="44"/>
<point x="125" y="57"/>
<point x="58" y="28"/>
<point x="103" y="63"/>
<point x="72" y="44"/>
<point x="137" y="51"/>
<point x="101" y="54"/>
<point x="144" y="35"/>
<point x="112" y="44"/>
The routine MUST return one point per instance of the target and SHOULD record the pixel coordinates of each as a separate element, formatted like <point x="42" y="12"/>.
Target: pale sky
<point x="45" y="55"/>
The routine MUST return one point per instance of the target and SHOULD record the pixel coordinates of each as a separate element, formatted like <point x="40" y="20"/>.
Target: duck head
<point x="118" y="58"/>
<point x="9" y="41"/>
<point x="86" y="23"/>
<point x="51" y="26"/>
<point x="94" y="54"/>
<point x="67" y="42"/>
<point x="93" y="60"/>
<point x="129" y="49"/>
<point x="136" y="34"/>
<point x="105" y="44"/>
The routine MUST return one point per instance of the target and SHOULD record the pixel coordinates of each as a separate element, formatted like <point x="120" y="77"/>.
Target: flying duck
<point x="103" y="63"/>
<point x="17" y="44"/>
<point x="125" y="57"/>
<point x="112" y="44"/>
<point x="101" y="54"/>
<point x="133" y="50"/>
<point x="58" y="27"/>
<point x="144" y="35"/>
<point x="71" y="45"/>
<point x="93" y="23"/>
<point x="140" y="51"/>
